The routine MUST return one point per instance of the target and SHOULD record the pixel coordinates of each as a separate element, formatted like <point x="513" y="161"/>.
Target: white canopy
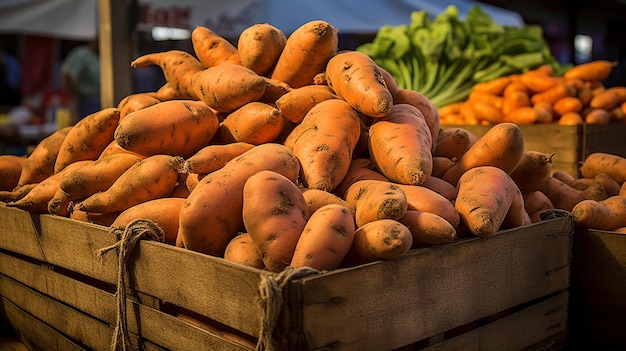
<point x="77" y="19"/>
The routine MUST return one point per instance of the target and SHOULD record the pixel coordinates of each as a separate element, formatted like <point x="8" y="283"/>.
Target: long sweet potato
<point x="10" y="171"/>
<point x="420" y="198"/>
<point x="254" y="123"/>
<point x="316" y="199"/>
<point x="360" y="169"/>
<point x="175" y="127"/>
<point x="164" y="212"/>
<point x="137" y="101"/>
<point x="214" y="156"/>
<point x="40" y="162"/>
<point x="428" y="228"/>
<point x="212" y="215"/>
<point x="608" y="214"/>
<point x="260" y="46"/>
<point x="532" y="170"/>
<point x="212" y="49"/>
<point x="453" y="142"/>
<point x="274" y="214"/>
<point x="296" y="103"/>
<point x="401" y="145"/>
<point x="426" y="107"/>
<point x="601" y="162"/>
<point x="376" y="199"/>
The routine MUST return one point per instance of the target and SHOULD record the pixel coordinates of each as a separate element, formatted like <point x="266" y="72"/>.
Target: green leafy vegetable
<point x="445" y="57"/>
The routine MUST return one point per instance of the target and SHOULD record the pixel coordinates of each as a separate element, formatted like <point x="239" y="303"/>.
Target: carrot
<point x="375" y="199"/>
<point x="570" y="119"/>
<point x="558" y="91"/>
<point x="242" y="250"/>
<point x="213" y="157"/>
<point x="260" y="46"/>
<point x="492" y="99"/>
<point x="176" y="127"/>
<point x="401" y="145"/>
<point x="450" y="109"/>
<point x="359" y="169"/>
<point x="10" y="171"/>
<point x="522" y="115"/>
<point x="545" y="112"/>
<point x="538" y="82"/>
<point x="494" y="86"/>
<point x="36" y="200"/>
<point x="514" y="99"/>
<point x="533" y="170"/>
<point x="610" y="98"/>
<point x="164" y="212"/>
<point x="355" y="77"/>
<point x="565" y="197"/>
<point x="96" y="176"/>
<point x="426" y="107"/>
<point x="324" y="143"/>
<point x="227" y="87"/>
<point x="501" y="146"/>
<point x="584" y="95"/>
<point x="428" y="229"/>
<point x="274" y="214"/>
<point x="384" y="239"/>
<point x="420" y="198"/>
<point x="596" y="70"/>
<point x="605" y="214"/>
<point x="134" y="102"/>
<point x="212" y="49"/>
<point x="296" y="103"/>
<point x="326" y="239"/>
<point x="178" y="67"/>
<point x="535" y="201"/>
<point x="253" y="123"/>
<point x="440" y="165"/>
<point x="567" y="104"/>
<point x="212" y="215"/>
<point x="485" y="196"/>
<point x="316" y="198"/>
<point x="88" y="138"/>
<point x="467" y="113"/>
<point x="485" y="111"/>
<point x="306" y="53"/>
<point x="453" y="142"/>
<point x="151" y="178"/>
<point x="40" y="162"/>
<point x="600" y="162"/>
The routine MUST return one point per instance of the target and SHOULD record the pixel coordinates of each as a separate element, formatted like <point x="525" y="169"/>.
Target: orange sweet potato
<point x="164" y="212"/>
<point x="600" y="162"/>
<point x="375" y="199"/>
<point x="212" y="49"/>
<point x="426" y="107"/>
<point x="254" y="123"/>
<point x="260" y="46"/>
<point x="137" y="101"/>
<point x="242" y="250"/>
<point x="40" y="162"/>
<point x="532" y="170"/>
<point x="608" y="214"/>
<point x="316" y="198"/>
<point x="296" y="103"/>
<point x="428" y="228"/>
<point x="383" y="239"/>
<point x="213" y="157"/>
<point x="10" y="171"/>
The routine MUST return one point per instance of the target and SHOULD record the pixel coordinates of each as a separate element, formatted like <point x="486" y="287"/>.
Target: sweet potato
<point x="400" y="145"/>
<point x="212" y="49"/>
<point x="10" y="171"/>
<point x="597" y="116"/>
<point x="532" y="170"/>
<point x="558" y="91"/>
<point x="441" y="187"/>
<point x="441" y="164"/>
<point x="565" y="197"/>
<point x="608" y="214"/>
<point x="213" y="157"/>
<point x="17" y="192"/>
<point x="426" y="107"/>
<point x="595" y="70"/>
<point x="384" y="239"/>
<point x="316" y="198"/>
<point x="137" y="101"/>
<point x="375" y="199"/>
<point x="242" y="250"/>
<point x="600" y="162"/>
<point x="212" y="215"/>
<point x="274" y="214"/>
<point x="326" y="239"/>
<point x="486" y="111"/>
<point x="60" y="203"/>
<point x="88" y="138"/>
<point x="567" y="104"/>
<point x="151" y="178"/>
<point x="324" y="143"/>
<point x="254" y="123"/>
<point x="36" y="200"/>
<point x="420" y="198"/>
<point x="298" y="102"/>
<point x="178" y="67"/>
<point x="513" y="100"/>
<point x="96" y="176"/>
<point x="40" y="162"/>
<point x="227" y="87"/>
<point x="522" y="115"/>
<point x="390" y="81"/>
<point x="176" y="127"/>
<point x="485" y="196"/>
<point x="260" y="46"/>
<point x="164" y="212"/>
<point x="453" y="142"/>
<point x="501" y="146"/>
<point x="611" y="186"/>
<point x="535" y="201"/>
<point x="360" y="169"/>
<point x="537" y="82"/>
<point x="306" y="53"/>
<point x="428" y="229"/>
<point x="355" y="77"/>
<point x="570" y="119"/>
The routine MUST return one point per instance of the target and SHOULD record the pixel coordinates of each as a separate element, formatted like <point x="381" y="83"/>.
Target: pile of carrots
<point x="540" y="96"/>
<point x="282" y="151"/>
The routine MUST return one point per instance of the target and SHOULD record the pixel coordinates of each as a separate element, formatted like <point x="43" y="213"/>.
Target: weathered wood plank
<point x="516" y="331"/>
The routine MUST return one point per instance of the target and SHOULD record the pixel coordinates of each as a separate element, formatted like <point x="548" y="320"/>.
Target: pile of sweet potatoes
<point x="282" y="151"/>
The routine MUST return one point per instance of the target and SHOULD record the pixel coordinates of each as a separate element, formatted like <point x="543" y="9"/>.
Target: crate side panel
<point x="517" y="331"/>
<point x="426" y="292"/>
<point x="604" y="138"/>
<point x="20" y="232"/>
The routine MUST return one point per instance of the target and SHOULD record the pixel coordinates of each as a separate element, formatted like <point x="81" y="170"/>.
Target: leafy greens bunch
<point x="445" y="57"/>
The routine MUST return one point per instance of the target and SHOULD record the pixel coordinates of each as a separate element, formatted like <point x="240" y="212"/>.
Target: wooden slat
<point x="604" y="138"/>
<point x="517" y="331"/>
<point x="159" y="328"/>
<point x="432" y="290"/>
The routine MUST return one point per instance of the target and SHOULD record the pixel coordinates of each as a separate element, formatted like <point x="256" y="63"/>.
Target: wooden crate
<point x="571" y="144"/>
<point x="598" y="290"/>
<point x="56" y="292"/>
